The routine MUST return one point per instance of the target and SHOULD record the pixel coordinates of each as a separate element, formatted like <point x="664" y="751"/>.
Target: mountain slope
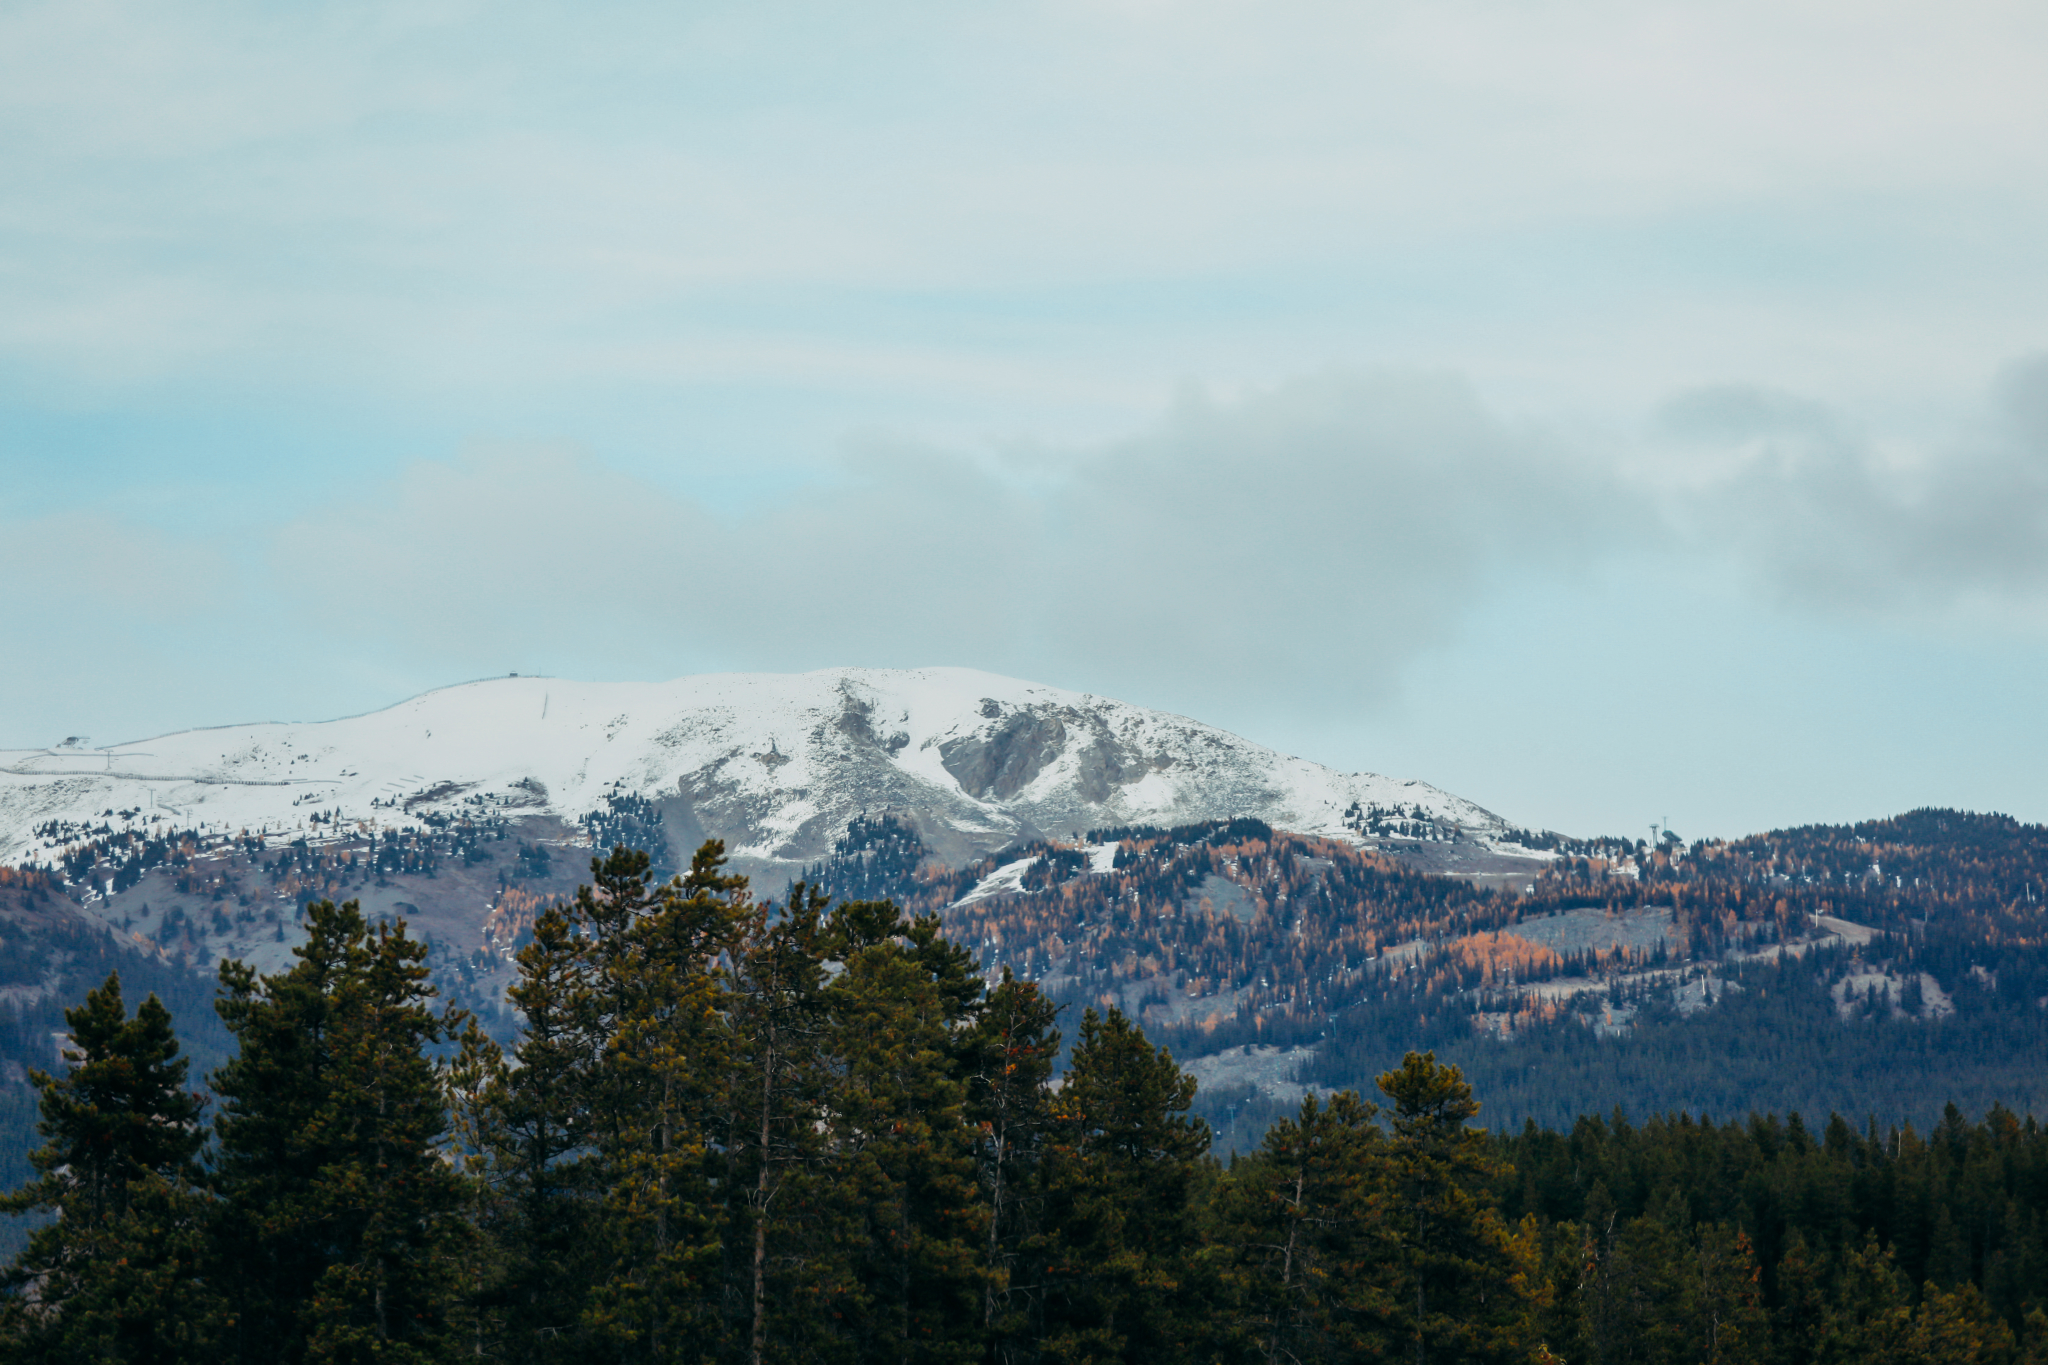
<point x="1274" y="921"/>
<point x="776" y="764"/>
<point x="1885" y="967"/>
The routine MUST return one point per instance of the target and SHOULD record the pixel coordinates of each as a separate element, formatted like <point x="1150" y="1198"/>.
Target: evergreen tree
<point x="738" y="1134"/>
<point x="904" y="1162"/>
<point x="535" y="1124"/>
<point x="1304" y="1218"/>
<point x="1011" y="1049"/>
<point x="1957" y="1327"/>
<point x="1801" y="1313"/>
<point x="1870" y="1321"/>
<point x="1459" y="1284"/>
<point x="1120" y="1185"/>
<point x="340" y="1217"/>
<point x="1722" y="1298"/>
<point x="599" y="1137"/>
<point x="474" y="1081"/>
<point x="115" y="1276"/>
<point x="1633" y="1300"/>
<point x="659" y="1077"/>
<point x="783" y="1268"/>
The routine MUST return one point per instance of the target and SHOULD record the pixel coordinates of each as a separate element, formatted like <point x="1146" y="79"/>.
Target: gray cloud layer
<point x="1824" y="515"/>
<point x="1308" y="539"/>
<point x="1302" y="546"/>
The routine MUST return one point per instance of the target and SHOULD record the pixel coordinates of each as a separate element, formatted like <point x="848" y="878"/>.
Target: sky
<point x="1609" y="412"/>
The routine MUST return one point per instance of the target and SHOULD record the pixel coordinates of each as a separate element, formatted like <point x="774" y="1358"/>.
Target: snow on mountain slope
<point x="776" y="764"/>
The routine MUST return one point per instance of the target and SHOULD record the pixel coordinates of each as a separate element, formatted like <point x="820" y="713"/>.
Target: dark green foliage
<point x="876" y="859"/>
<point x="1306" y="1220"/>
<point x="630" y="820"/>
<point x="120" y="1116"/>
<point x="1010" y="1052"/>
<point x="1962" y="1206"/>
<point x="116" y="1275"/>
<point x="60" y="958"/>
<point x="339" y="1218"/>
<point x="1778" y="1044"/>
<point x="740" y="1134"/>
<point x="532" y="1121"/>
<point x="1454" y="1272"/>
<point x="1120" y="1183"/>
<point x="592" y="1150"/>
<point x="902" y="1010"/>
<point x="785" y="1261"/>
<point x="1235" y="831"/>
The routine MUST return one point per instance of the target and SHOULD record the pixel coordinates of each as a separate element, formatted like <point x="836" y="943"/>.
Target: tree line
<point x="729" y="1131"/>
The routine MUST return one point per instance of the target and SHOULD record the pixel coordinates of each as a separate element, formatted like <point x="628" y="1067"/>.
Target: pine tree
<point x="599" y="1136"/>
<point x="116" y="1275"/>
<point x="661" y="1071"/>
<point x="1800" y="1317"/>
<point x="903" y="1156"/>
<point x="341" y="1219"/>
<point x="1303" y="1216"/>
<point x="1634" y="1310"/>
<point x="473" y="1082"/>
<point x="1459" y="1289"/>
<point x="1723" y="1301"/>
<point x="779" y="1080"/>
<point x="1011" y="1049"/>
<point x="1121" y="1182"/>
<point x="535" y="1126"/>
<point x="1957" y="1327"/>
<point x="1870" y="1321"/>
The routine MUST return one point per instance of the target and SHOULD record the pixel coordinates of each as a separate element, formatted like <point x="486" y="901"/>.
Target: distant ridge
<point x="776" y="764"/>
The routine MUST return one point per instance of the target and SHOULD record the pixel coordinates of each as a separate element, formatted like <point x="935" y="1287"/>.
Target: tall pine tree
<point x="783" y="1265"/>
<point x="1011" y="1050"/>
<point x="1121" y="1182"/>
<point x="116" y="1275"/>
<point x="1458" y="1285"/>
<point x="903" y="1157"/>
<point x="341" y="1218"/>
<point x="1305" y="1217"/>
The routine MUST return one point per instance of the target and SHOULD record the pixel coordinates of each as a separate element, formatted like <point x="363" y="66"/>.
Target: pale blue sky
<point x="1608" y="411"/>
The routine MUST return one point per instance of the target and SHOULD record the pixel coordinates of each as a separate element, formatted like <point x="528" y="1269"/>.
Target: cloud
<point x="1306" y="540"/>
<point x="1826" y="516"/>
<point x="1303" y="545"/>
<point x="426" y="199"/>
<point x="1294" y="555"/>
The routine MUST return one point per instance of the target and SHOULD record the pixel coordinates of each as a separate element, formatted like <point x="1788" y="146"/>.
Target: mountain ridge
<point x="1277" y="921"/>
<point x="776" y="764"/>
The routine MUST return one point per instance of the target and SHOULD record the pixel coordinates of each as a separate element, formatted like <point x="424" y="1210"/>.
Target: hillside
<point x="775" y="764"/>
<point x="1280" y="925"/>
<point x="466" y="809"/>
<point x="1886" y="967"/>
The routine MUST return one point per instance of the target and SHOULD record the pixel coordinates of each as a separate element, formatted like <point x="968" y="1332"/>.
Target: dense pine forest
<point x="727" y="1130"/>
<point x="1703" y="977"/>
<point x="1885" y="968"/>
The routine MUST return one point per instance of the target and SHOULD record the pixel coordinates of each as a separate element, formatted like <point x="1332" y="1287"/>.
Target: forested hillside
<point x="1886" y="968"/>
<point x="49" y="958"/>
<point x="1882" y="969"/>
<point x="725" y="1131"/>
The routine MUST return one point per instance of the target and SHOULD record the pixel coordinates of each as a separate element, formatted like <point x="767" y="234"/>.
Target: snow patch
<point x="1005" y="879"/>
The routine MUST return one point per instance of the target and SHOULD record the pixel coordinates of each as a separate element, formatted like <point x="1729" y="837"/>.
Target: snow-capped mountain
<point x="776" y="764"/>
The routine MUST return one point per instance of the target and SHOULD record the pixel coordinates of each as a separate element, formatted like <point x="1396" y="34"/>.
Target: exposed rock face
<point x="1002" y="762"/>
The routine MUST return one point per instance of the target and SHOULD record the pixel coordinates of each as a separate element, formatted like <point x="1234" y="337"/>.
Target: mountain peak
<point x="774" y="763"/>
